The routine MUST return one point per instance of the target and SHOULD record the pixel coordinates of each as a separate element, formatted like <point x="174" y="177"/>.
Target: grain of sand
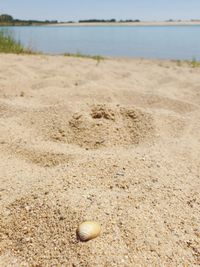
<point x="117" y="142"/>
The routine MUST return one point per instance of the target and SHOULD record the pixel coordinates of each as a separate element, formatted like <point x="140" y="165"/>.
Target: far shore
<point x="145" y="23"/>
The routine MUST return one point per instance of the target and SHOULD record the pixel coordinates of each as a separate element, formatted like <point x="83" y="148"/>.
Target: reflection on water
<point x="165" y="42"/>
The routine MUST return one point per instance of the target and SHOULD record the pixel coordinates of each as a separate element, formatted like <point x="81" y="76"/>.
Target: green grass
<point x="192" y="63"/>
<point x="9" y="45"/>
<point x="80" y="55"/>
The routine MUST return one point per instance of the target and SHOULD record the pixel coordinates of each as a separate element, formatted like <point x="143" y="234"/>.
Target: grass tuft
<point x="9" y="45"/>
<point x="80" y="55"/>
<point x="194" y="63"/>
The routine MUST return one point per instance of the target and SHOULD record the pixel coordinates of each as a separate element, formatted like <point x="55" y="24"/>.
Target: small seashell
<point x="88" y="230"/>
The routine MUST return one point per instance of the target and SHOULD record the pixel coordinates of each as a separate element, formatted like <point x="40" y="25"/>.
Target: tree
<point x="6" y="18"/>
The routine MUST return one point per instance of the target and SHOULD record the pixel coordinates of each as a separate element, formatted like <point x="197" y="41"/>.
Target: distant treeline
<point x="96" y="20"/>
<point x="130" y="20"/>
<point x="106" y="20"/>
<point x="7" y="20"/>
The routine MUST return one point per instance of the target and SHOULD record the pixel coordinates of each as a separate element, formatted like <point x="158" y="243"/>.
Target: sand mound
<point x="42" y="231"/>
<point x="45" y="159"/>
<point x="105" y="126"/>
<point x="157" y="102"/>
<point x="175" y="105"/>
<point x="41" y="158"/>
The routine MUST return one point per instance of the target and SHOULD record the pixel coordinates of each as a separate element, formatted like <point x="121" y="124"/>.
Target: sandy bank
<point x="117" y="142"/>
<point x="147" y="23"/>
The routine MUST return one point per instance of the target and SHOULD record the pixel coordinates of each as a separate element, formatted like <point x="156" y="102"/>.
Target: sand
<point x="142" y="23"/>
<point x="115" y="141"/>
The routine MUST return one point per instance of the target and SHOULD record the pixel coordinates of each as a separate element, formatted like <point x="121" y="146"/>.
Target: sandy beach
<point x="142" y="23"/>
<point x="115" y="141"/>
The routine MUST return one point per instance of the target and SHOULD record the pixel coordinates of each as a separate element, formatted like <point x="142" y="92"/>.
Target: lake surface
<point x="164" y="42"/>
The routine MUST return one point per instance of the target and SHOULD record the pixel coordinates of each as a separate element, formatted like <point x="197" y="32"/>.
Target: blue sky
<point x="64" y="10"/>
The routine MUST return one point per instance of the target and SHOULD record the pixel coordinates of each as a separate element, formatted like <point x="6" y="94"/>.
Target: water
<point x="164" y="42"/>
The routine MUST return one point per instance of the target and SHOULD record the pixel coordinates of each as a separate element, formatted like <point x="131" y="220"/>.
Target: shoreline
<point x="100" y="58"/>
<point x="83" y="24"/>
<point x="148" y="23"/>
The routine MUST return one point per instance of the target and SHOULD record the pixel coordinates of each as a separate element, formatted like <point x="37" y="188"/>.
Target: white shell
<point x="88" y="230"/>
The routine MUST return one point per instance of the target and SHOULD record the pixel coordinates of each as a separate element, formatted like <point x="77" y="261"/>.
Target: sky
<point x="65" y="10"/>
